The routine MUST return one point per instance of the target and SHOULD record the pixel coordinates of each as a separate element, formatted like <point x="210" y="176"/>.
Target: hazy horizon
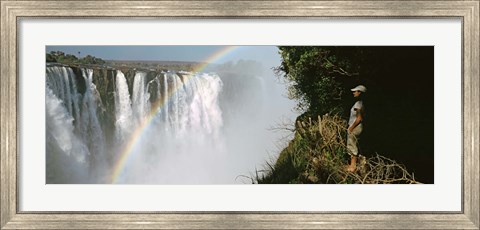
<point x="268" y="55"/>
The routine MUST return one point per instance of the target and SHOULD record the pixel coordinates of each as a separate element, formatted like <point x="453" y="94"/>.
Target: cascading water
<point x="174" y="113"/>
<point x="123" y="108"/>
<point x="75" y="139"/>
<point x="140" y="97"/>
<point x="64" y="148"/>
<point x="161" y="127"/>
<point x="92" y="132"/>
<point x="165" y="98"/>
<point x="184" y="129"/>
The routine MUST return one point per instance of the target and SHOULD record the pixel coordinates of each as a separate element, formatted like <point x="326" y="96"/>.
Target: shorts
<point x="352" y="140"/>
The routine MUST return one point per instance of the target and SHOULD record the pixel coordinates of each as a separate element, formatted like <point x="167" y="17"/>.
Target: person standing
<point x="355" y="126"/>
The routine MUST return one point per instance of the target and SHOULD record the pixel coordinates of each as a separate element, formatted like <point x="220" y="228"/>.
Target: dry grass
<point x="318" y="154"/>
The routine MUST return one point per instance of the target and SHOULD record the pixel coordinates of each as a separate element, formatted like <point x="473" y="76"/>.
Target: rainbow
<point x="129" y="146"/>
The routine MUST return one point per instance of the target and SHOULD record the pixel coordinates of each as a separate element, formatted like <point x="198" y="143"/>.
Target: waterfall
<point x="92" y="132"/>
<point x="140" y="97"/>
<point x="75" y="95"/>
<point x="176" y="102"/>
<point x="189" y="103"/>
<point x="60" y="127"/>
<point x="174" y="133"/>
<point x="204" y="112"/>
<point x="164" y="98"/>
<point x="73" y="128"/>
<point x="157" y="81"/>
<point x="62" y="83"/>
<point x="185" y="129"/>
<point x="123" y="109"/>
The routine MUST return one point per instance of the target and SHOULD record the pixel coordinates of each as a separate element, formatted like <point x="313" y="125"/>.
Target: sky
<point x="268" y="55"/>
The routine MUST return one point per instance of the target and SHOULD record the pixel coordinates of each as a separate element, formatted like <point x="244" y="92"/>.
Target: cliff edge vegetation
<point x="318" y="154"/>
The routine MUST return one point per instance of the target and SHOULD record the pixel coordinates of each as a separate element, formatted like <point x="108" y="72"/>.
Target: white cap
<point x="360" y="88"/>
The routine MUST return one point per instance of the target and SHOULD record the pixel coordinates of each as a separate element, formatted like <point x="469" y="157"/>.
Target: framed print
<point x="159" y="114"/>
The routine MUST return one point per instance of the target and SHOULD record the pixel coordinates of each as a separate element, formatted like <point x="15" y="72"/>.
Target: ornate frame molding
<point x="12" y="10"/>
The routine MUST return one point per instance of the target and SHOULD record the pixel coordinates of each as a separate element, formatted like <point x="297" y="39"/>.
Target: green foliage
<point x="317" y="75"/>
<point x="91" y="60"/>
<point x="50" y="58"/>
<point x="69" y="59"/>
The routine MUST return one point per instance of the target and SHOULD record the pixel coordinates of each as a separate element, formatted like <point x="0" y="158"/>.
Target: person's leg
<point x="353" y="164"/>
<point x="352" y="146"/>
<point x="353" y="151"/>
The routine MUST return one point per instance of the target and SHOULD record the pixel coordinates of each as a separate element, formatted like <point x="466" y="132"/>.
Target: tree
<point x="316" y="76"/>
<point x="50" y="58"/>
<point x="61" y="57"/>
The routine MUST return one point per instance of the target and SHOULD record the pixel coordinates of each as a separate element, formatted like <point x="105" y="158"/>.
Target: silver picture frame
<point x="12" y="11"/>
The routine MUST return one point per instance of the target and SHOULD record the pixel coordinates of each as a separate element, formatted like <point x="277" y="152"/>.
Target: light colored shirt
<point x="353" y="112"/>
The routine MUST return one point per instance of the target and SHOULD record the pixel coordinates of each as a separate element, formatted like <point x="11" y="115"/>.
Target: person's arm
<point x="357" y="121"/>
